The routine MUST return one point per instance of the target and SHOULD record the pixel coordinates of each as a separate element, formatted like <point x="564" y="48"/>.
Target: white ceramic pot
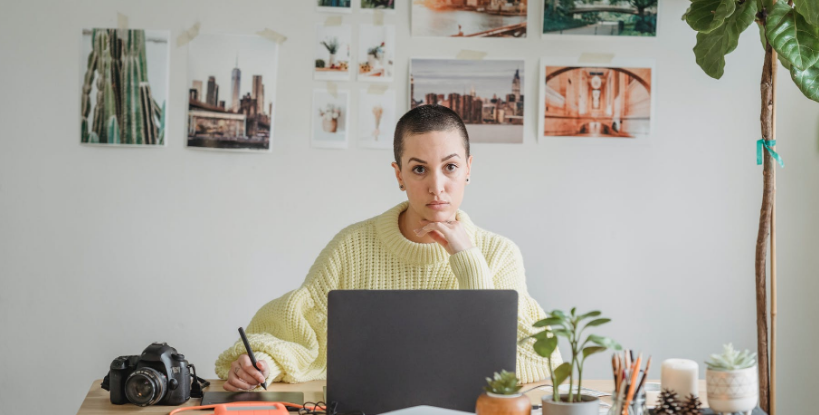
<point x="589" y="406"/>
<point x="732" y="391"/>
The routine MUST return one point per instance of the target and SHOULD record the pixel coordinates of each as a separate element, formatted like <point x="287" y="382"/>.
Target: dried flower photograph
<point x="333" y="52"/>
<point x="376" y="119"/>
<point x="376" y="53"/>
<point x="331" y="114"/>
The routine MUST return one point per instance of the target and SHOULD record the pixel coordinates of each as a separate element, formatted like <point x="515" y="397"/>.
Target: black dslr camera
<point x="159" y="375"/>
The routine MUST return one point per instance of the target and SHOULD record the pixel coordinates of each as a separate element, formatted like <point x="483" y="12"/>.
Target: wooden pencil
<point x="632" y="384"/>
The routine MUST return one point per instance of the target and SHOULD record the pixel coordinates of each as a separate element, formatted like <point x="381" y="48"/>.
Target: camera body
<point x="159" y="376"/>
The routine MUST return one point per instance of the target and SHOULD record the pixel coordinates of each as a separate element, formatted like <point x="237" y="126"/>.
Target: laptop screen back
<point x="388" y="350"/>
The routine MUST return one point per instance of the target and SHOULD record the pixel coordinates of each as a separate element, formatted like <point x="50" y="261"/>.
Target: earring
<point x="467" y="179"/>
<point x="402" y="187"/>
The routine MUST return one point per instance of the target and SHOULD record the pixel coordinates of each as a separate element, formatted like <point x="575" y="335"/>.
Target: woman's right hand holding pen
<point x="243" y="376"/>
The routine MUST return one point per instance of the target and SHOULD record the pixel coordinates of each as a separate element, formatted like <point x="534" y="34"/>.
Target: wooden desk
<point x="98" y="400"/>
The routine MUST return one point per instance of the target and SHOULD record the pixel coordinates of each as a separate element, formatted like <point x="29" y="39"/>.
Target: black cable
<point x="313" y="408"/>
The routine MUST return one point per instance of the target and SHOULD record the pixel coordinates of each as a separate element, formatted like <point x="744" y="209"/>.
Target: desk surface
<point x="98" y="400"/>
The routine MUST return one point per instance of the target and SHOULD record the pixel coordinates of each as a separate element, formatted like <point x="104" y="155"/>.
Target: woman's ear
<point x="397" y="173"/>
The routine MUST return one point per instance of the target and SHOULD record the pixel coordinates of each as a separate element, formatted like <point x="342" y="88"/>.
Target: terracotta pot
<point x="493" y="404"/>
<point x="732" y="391"/>
<point x="329" y="125"/>
<point x="589" y="406"/>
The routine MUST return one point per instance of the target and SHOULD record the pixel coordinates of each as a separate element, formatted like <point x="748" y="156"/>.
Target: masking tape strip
<point x="122" y="21"/>
<point x="272" y="35"/>
<point x="378" y="89"/>
<point x="471" y="55"/>
<point x="332" y="88"/>
<point x="596" y="58"/>
<point x="378" y="18"/>
<point x="334" y="21"/>
<point x="188" y="35"/>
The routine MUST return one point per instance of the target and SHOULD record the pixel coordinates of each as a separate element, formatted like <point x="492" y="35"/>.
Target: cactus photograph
<point x="231" y="91"/>
<point x="124" y="86"/>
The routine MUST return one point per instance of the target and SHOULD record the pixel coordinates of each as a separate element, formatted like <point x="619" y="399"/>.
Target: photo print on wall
<point x="385" y="5"/>
<point x="469" y="18"/>
<point x="605" y="101"/>
<point x="231" y="91"/>
<point x="486" y="94"/>
<point x="376" y="118"/>
<point x="124" y="87"/>
<point x="331" y="118"/>
<point x="600" y="17"/>
<point x="333" y="52"/>
<point x="335" y="6"/>
<point x="376" y="53"/>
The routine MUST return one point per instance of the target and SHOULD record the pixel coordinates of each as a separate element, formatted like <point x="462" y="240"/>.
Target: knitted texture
<point x="290" y="332"/>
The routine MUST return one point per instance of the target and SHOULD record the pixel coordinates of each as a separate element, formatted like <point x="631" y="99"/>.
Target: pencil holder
<point x="636" y="407"/>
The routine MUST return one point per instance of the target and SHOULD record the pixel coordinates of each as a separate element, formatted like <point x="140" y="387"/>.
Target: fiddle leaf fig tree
<point x="789" y="31"/>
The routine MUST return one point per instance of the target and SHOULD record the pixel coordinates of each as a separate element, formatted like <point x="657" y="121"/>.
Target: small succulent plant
<point x="504" y="383"/>
<point x="731" y="359"/>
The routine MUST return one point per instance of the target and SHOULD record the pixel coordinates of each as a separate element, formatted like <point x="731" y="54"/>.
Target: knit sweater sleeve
<point x="471" y="270"/>
<point x="290" y="332"/>
<point x="510" y="274"/>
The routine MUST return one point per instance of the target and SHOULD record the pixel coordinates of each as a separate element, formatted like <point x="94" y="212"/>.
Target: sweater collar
<point x="413" y="252"/>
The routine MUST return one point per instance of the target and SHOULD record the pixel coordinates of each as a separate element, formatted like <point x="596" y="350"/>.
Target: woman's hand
<point x="243" y="376"/>
<point x="450" y="234"/>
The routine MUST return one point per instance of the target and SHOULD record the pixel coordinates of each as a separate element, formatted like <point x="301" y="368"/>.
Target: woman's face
<point x="433" y="171"/>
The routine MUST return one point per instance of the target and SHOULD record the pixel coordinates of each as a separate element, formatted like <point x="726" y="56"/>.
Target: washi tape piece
<point x="334" y="21"/>
<point x="471" y="55"/>
<point x="378" y="18"/>
<point x="122" y="21"/>
<point x="332" y="88"/>
<point x="188" y="35"/>
<point x="272" y="36"/>
<point x="596" y="58"/>
<point x="376" y="89"/>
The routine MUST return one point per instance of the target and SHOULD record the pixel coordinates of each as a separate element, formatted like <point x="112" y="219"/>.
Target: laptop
<point x="389" y="350"/>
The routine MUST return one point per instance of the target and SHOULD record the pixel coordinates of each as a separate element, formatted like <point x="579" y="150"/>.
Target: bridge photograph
<point x="469" y="18"/>
<point x="600" y="17"/>
<point x="613" y="102"/>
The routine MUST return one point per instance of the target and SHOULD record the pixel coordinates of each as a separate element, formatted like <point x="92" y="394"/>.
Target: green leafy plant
<point x="504" y="383"/>
<point x="331" y="45"/>
<point x="731" y="359"/>
<point x="570" y="327"/>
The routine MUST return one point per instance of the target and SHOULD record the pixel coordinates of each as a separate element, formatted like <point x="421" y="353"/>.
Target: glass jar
<point x="636" y="407"/>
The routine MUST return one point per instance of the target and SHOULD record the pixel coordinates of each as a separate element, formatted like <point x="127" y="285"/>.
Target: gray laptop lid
<point x="388" y="350"/>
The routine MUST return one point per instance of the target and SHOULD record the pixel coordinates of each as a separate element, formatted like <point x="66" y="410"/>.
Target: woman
<point x="423" y="243"/>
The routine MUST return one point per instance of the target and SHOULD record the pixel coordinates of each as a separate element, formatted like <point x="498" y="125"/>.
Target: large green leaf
<point x="764" y="39"/>
<point x="807" y="81"/>
<point x="707" y="15"/>
<point x="712" y="47"/>
<point x="545" y="347"/>
<point x="792" y="36"/>
<point x="562" y="373"/>
<point x="604" y="341"/>
<point x="592" y="350"/>
<point x="809" y="9"/>
<point x="598" y="322"/>
<point x="551" y="321"/>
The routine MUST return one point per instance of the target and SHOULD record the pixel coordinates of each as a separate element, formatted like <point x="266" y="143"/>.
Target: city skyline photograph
<point x="231" y="91"/>
<point x="486" y="94"/>
<point x="607" y="101"/>
<point x="469" y="18"/>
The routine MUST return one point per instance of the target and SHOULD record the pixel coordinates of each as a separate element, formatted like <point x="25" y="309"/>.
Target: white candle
<point x="681" y="376"/>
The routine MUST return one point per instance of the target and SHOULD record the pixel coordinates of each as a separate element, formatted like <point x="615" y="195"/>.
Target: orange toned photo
<point x="597" y="101"/>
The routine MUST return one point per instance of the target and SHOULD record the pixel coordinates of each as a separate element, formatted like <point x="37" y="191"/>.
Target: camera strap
<point x="198" y="384"/>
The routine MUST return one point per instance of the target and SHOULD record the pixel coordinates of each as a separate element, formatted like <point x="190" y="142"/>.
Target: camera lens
<point x="145" y="386"/>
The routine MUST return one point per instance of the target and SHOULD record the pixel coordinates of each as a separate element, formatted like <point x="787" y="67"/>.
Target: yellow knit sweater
<point x="290" y="332"/>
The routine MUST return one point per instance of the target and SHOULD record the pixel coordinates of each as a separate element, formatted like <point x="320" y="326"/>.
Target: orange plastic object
<point x="259" y="408"/>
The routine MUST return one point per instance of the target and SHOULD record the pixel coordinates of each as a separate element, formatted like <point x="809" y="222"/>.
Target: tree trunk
<point x="766" y="119"/>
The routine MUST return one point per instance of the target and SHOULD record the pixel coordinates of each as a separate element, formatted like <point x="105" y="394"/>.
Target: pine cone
<point x="668" y="404"/>
<point x="691" y="406"/>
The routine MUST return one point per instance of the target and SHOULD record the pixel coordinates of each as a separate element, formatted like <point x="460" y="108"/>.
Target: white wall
<point x="104" y="250"/>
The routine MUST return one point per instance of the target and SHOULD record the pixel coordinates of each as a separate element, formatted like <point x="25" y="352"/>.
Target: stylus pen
<point x="250" y="353"/>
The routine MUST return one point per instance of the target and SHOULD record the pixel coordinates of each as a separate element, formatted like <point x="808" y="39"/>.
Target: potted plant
<point x="731" y="381"/>
<point x="332" y="47"/>
<point x="503" y="397"/>
<point x="571" y="327"/>
<point x="375" y="54"/>
<point x="329" y="118"/>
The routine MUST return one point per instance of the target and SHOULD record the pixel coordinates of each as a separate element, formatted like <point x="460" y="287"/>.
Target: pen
<point x="250" y="353"/>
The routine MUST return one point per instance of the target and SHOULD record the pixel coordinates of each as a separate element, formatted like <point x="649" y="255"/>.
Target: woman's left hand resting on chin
<point x="450" y="234"/>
